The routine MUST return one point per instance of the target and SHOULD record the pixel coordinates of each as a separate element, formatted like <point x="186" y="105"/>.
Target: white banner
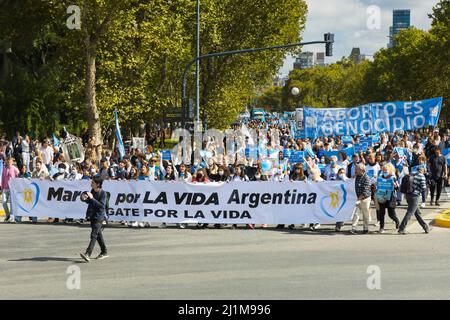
<point x="175" y="202"/>
<point x="139" y="143"/>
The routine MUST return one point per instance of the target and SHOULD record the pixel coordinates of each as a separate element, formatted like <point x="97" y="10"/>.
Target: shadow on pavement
<point x="46" y="259"/>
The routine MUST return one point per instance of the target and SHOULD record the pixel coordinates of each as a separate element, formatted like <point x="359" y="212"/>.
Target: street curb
<point x="443" y="219"/>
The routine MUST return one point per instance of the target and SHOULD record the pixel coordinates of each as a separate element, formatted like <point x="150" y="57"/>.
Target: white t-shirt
<point x="47" y="154"/>
<point x="372" y="171"/>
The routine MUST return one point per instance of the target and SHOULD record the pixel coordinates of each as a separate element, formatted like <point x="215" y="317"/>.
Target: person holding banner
<point x="9" y="172"/>
<point x="385" y="195"/>
<point x="297" y="175"/>
<point x="96" y="213"/>
<point x="184" y="174"/>
<point x="341" y="177"/>
<point x="240" y="176"/>
<point x="331" y="171"/>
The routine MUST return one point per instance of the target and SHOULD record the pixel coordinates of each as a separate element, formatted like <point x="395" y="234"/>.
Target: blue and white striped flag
<point x="121" y="146"/>
<point x="293" y="129"/>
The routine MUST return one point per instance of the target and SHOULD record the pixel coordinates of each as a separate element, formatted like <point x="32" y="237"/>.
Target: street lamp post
<point x="295" y="91"/>
<point x="197" y="66"/>
<point x="329" y="40"/>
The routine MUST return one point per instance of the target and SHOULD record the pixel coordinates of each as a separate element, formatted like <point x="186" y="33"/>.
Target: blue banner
<point x="166" y="155"/>
<point x="286" y="153"/>
<point x="366" y="141"/>
<point x="297" y="157"/>
<point x="402" y="152"/>
<point x="347" y="139"/>
<point x="385" y="184"/>
<point x="349" y="152"/>
<point x="376" y="138"/>
<point x="372" y="118"/>
<point x="329" y="154"/>
<point x="322" y="167"/>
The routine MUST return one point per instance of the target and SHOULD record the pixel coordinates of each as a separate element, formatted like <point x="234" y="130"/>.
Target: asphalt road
<point x="226" y="264"/>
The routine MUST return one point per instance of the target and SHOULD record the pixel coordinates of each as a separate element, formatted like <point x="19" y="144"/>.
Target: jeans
<point x="391" y="213"/>
<point x="364" y="208"/>
<point x="399" y="196"/>
<point x="96" y="236"/>
<point x="26" y="160"/>
<point x="413" y="208"/>
<point x="6" y="197"/>
<point x="436" y="184"/>
<point x="424" y="196"/>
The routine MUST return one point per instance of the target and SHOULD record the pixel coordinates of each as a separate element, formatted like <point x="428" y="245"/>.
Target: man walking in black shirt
<point x="96" y="212"/>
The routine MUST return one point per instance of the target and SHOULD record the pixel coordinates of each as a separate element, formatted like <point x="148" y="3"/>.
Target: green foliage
<point x="140" y="49"/>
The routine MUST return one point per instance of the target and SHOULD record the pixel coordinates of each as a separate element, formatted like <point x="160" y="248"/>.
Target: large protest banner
<point x="176" y="202"/>
<point x="372" y="118"/>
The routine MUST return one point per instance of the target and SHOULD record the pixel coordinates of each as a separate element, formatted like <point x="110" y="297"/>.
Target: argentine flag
<point x="121" y="147"/>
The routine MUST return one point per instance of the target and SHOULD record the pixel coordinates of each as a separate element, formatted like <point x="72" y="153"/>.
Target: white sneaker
<point x="377" y="224"/>
<point x="422" y="205"/>
<point x="141" y="225"/>
<point x="134" y="224"/>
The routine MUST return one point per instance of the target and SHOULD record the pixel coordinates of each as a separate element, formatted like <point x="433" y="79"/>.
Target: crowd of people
<point x="421" y="161"/>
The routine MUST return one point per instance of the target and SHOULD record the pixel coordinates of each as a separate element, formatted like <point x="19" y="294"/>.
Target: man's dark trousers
<point x="413" y="208"/>
<point x="96" y="236"/>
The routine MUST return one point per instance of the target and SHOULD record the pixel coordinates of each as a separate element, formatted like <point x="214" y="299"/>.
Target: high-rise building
<point x="401" y="19"/>
<point x="320" y="59"/>
<point x="356" y="56"/>
<point x="279" y="81"/>
<point x="304" y="60"/>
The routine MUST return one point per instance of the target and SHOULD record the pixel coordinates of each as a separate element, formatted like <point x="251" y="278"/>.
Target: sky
<point x="348" y="20"/>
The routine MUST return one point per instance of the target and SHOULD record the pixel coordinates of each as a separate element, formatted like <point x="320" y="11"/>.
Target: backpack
<point x="406" y="185"/>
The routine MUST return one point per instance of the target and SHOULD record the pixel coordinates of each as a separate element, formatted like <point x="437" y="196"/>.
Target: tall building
<point x="401" y="19"/>
<point x="279" y="81"/>
<point x="304" y="60"/>
<point x="356" y="56"/>
<point x="320" y="59"/>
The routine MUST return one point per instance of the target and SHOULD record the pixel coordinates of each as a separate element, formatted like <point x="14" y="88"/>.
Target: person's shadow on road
<point x="46" y="259"/>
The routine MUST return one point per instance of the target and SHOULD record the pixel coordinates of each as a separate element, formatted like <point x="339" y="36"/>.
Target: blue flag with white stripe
<point x="121" y="146"/>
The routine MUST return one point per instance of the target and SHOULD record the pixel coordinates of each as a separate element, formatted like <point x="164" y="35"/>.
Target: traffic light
<point x="329" y="38"/>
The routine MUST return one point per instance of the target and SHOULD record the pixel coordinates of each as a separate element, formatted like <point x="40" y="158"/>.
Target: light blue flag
<point x="310" y="152"/>
<point x="56" y="141"/>
<point x="119" y="137"/>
